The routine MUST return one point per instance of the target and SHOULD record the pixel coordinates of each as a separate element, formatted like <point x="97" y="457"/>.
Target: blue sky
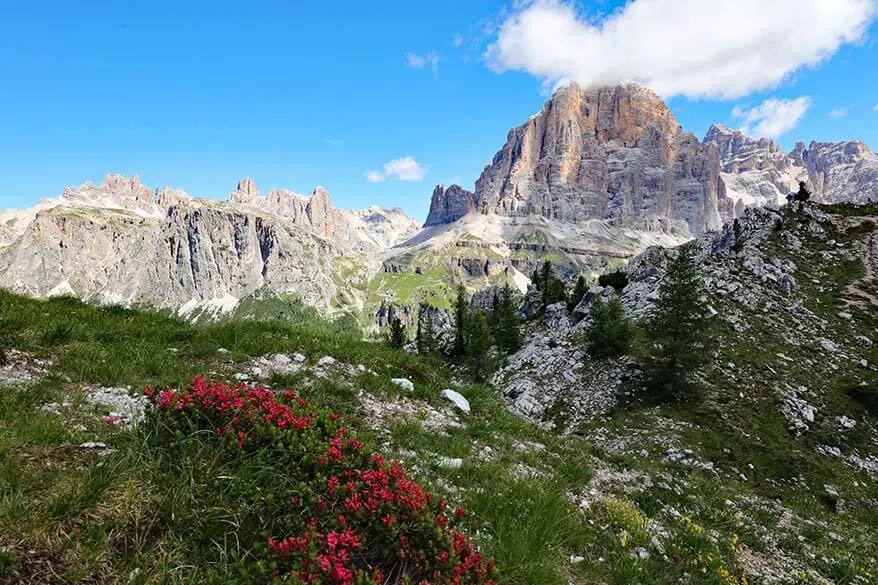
<point x="196" y="95"/>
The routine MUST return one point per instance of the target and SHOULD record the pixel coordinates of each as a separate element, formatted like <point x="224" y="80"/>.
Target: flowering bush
<point x="344" y="516"/>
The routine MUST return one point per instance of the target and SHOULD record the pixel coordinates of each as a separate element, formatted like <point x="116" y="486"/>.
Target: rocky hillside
<point x="119" y="243"/>
<point x="790" y="413"/>
<point x="610" y="154"/>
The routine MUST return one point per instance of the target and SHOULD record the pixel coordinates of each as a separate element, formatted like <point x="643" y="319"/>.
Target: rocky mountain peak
<point x="116" y="192"/>
<point x="842" y="171"/>
<point x="739" y="152"/>
<point x="122" y="186"/>
<point x="166" y="197"/>
<point x="449" y="204"/>
<point x="757" y="172"/>
<point x="798" y="153"/>
<point x="605" y="153"/>
<point x="618" y="113"/>
<point x="246" y="192"/>
<point x="321" y="211"/>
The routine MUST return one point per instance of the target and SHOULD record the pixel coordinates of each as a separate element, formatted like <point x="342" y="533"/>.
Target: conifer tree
<point x="508" y="328"/>
<point x="427" y="343"/>
<point x="803" y="194"/>
<point x="397" y="334"/>
<point x="679" y="331"/>
<point x="552" y="287"/>
<point x="479" y="359"/>
<point x="579" y="291"/>
<point x="494" y="314"/>
<point x="461" y="314"/>
<point x="611" y="332"/>
<point x="739" y="236"/>
<point x="537" y="279"/>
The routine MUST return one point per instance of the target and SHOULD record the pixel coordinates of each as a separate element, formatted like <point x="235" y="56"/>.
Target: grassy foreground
<point x="548" y="509"/>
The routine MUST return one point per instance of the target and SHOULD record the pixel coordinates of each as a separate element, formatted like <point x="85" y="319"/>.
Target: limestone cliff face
<point x="607" y="153"/>
<point x="193" y="255"/>
<point x="754" y="172"/>
<point x="449" y="204"/>
<point x="759" y="172"/>
<point x="120" y="243"/>
<point x="365" y="231"/>
<point x="844" y="171"/>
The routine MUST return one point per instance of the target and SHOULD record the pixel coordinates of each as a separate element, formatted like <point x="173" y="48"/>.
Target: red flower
<point x="359" y="496"/>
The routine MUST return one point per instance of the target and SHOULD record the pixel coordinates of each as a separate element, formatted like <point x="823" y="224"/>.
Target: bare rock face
<point x="363" y="231"/>
<point x="166" y="197"/>
<point x="449" y="204"/>
<point x="245" y="193"/>
<point x="842" y="172"/>
<point x="194" y="257"/>
<point x="758" y="172"/>
<point x="754" y="172"/>
<point x="118" y="243"/>
<point x="606" y="153"/>
<point x="321" y="213"/>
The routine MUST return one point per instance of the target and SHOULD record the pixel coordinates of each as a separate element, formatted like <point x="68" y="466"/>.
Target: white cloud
<point x="430" y="60"/>
<point x="839" y="113"/>
<point x="697" y="48"/>
<point x="458" y="40"/>
<point x="772" y="117"/>
<point x="401" y="169"/>
<point x="375" y="177"/>
<point x="334" y="141"/>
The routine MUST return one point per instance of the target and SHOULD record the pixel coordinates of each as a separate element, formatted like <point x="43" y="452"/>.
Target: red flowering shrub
<point x="343" y="516"/>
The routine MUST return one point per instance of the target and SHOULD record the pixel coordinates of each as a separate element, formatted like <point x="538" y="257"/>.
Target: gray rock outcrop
<point x="118" y="243"/>
<point x="449" y="204"/>
<point x="608" y="154"/>
<point x="759" y="172"/>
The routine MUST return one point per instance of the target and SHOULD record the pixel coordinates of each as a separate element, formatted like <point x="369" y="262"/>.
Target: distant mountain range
<point x="591" y="180"/>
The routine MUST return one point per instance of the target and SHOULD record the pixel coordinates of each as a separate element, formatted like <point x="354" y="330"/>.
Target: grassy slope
<point x="534" y="499"/>
<point x="67" y="515"/>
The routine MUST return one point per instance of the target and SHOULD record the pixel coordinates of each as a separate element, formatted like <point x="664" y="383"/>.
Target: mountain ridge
<point x="590" y="181"/>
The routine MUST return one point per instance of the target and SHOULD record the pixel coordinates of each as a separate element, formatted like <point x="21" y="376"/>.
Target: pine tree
<point x="427" y="343"/>
<point x="494" y="314"/>
<point x="479" y="359"/>
<point x="679" y="331"/>
<point x="611" y="332"/>
<point x="803" y="194"/>
<point x="552" y="287"/>
<point x="739" y="236"/>
<point x="537" y="279"/>
<point x="461" y="314"/>
<point x="579" y="291"/>
<point x="508" y="328"/>
<point x="397" y="334"/>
